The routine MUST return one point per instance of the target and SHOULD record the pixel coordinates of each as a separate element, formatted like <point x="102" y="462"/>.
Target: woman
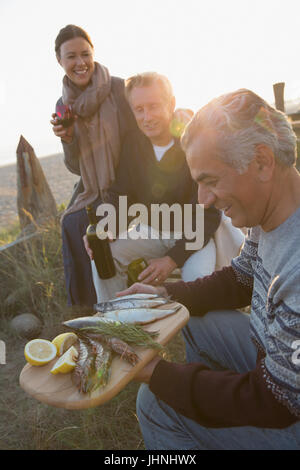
<point x="91" y="147"/>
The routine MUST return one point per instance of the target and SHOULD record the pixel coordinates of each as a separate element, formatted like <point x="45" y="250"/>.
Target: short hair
<point x="70" y="31"/>
<point x="240" y="121"/>
<point x="147" y="79"/>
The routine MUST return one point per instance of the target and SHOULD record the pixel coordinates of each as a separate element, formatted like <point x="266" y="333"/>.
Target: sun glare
<point x="205" y="49"/>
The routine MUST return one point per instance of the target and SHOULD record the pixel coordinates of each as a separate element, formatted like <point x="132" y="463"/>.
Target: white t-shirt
<point x="160" y="151"/>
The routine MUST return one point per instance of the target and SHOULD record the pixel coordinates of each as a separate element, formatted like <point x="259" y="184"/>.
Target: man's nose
<point x="147" y="115"/>
<point x="205" y="196"/>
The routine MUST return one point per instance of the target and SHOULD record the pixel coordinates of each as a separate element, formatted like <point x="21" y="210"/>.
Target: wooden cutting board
<point x="59" y="390"/>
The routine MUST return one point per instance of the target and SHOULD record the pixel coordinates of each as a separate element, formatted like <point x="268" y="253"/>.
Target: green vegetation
<point x="8" y="235"/>
<point x="131" y="334"/>
<point x="32" y="280"/>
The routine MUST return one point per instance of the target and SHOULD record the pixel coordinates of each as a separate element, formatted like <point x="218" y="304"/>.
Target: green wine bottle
<point x="101" y="248"/>
<point x="134" y="270"/>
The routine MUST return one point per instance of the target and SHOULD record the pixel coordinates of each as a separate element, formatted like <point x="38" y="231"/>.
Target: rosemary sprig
<point x="130" y="333"/>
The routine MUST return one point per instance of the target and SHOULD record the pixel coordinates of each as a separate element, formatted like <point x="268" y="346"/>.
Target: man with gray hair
<point x="240" y="388"/>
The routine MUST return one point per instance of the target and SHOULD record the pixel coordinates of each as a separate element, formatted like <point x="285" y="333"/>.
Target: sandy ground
<point x="60" y="180"/>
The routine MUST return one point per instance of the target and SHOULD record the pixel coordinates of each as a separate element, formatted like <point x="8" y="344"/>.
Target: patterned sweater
<point x="267" y="274"/>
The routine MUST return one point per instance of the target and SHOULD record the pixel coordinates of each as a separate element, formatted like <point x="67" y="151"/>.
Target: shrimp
<point x="118" y="346"/>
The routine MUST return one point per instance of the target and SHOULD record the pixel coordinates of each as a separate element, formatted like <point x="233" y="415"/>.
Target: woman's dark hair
<point x="70" y="32"/>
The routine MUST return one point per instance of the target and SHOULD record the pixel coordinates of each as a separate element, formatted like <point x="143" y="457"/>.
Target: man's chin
<point x="237" y="222"/>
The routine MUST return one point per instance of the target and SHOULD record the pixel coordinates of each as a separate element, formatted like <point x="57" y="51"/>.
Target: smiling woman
<point x="75" y="55"/>
<point x="91" y="142"/>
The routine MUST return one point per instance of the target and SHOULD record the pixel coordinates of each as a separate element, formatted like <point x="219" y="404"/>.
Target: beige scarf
<point x="97" y="132"/>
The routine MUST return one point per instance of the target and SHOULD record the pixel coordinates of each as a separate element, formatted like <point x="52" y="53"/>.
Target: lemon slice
<point x="63" y="342"/>
<point x="39" y="352"/>
<point x="66" y="362"/>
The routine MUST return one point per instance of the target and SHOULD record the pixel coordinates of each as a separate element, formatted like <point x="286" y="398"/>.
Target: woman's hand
<point x="88" y="248"/>
<point x="65" y="133"/>
<point x="139" y="288"/>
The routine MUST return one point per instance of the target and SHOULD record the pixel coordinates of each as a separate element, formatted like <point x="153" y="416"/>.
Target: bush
<point x="32" y="278"/>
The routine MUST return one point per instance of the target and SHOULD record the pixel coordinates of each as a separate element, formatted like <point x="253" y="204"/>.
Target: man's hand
<point x="65" y="133"/>
<point x="157" y="271"/>
<point x="139" y="288"/>
<point x="87" y="247"/>
<point x="146" y="373"/>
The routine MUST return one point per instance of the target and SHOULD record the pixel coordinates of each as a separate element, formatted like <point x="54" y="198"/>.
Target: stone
<point x="26" y="325"/>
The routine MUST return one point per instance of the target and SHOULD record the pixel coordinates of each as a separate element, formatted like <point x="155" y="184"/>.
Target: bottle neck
<point x="91" y="215"/>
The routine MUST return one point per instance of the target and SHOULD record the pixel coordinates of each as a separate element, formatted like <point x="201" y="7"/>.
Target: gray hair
<point x="147" y="79"/>
<point x="241" y="120"/>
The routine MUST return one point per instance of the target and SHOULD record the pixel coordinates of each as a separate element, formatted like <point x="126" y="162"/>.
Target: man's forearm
<point x="220" y="290"/>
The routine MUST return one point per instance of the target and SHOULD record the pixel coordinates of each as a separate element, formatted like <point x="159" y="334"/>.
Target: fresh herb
<point x="132" y="334"/>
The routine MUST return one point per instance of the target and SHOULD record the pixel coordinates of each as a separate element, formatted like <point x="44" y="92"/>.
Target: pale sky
<point x="205" y="48"/>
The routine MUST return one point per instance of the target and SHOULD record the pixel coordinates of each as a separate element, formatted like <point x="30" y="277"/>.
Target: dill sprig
<point x="130" y="333"/>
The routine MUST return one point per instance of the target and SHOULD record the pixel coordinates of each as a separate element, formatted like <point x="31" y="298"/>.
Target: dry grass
<point x="31" y="280"/>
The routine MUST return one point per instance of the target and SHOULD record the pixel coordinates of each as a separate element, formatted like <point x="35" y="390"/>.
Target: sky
<point x="206" y="48"/>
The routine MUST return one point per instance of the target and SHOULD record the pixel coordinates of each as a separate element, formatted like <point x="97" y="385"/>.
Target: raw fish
<point x="137" y="296"/>
<point x="121" y="303"/>
<point x="83" y="322"/>
<point x="139" y="316"/>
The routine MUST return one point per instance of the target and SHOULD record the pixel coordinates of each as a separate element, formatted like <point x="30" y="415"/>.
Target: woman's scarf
<point x="97" y="133"/>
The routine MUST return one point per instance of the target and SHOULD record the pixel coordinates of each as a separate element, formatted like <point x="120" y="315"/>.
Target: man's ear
<point x="265" y="162"/>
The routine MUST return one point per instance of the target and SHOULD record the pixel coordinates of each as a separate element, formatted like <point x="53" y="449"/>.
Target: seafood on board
<point x="130" y="302"/>
<point x="114" y="330"/>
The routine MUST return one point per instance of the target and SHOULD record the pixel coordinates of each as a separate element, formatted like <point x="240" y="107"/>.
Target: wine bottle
<point x="134" y="270"/>
<point x="101" y="248"/>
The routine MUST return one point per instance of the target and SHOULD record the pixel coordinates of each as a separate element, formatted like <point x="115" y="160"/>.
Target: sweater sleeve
<point x="193" y="390"/>
<point x="179" y="253"/>
<point x="220" y="290"/>
<point x="124" y="184"/>
<point x="71" y="151"/>
<point x="71" y="154"/>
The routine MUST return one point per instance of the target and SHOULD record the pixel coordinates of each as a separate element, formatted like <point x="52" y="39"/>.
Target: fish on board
<point x="84" y="322"/>
<point x="137" y="296"/>
<point x="121" y="303"/>
<point x="140" y="316"/>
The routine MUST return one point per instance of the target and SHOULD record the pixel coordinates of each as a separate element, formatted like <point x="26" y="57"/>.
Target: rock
<point x="26" y="325"/>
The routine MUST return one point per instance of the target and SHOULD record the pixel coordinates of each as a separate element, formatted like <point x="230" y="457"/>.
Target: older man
<point x="241" y="386"/>
<point x="153" y="171"/>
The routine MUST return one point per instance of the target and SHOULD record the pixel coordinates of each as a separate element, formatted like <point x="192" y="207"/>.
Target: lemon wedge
<point x="39" y="352"/>
<point x="66" y="362"/>
<point x="63" y="342"/>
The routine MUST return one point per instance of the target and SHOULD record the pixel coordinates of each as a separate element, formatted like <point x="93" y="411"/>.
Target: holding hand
<point x="88" y="248"/>
<point x="139" y="288"/>
<point x="157" y="271"/>
<point x="65" y="133"/>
